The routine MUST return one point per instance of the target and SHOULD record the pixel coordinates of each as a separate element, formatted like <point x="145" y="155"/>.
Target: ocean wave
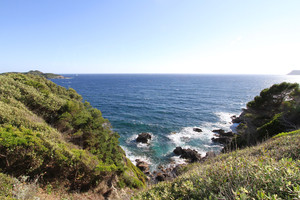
<point x="187" y="134"/>
<point x="133" y="156"/>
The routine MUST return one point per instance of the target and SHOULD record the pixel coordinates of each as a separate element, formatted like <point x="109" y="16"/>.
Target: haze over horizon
<point x="151" y="36"/>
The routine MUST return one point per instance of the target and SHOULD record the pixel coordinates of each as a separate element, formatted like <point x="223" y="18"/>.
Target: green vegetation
<point x="46" y="131"/>
<point x="51" y="140"/>
<point x="46" y="75"/>
<point x="267" y="171"/>
<point x="39" y="73"/>
<point x="275" y="110"/>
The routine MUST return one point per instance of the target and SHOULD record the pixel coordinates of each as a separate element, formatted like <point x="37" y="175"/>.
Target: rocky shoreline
<point x="190" y="155"/>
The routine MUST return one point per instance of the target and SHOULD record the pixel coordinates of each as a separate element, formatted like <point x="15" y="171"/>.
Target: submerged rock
<point x="144" y="137"/>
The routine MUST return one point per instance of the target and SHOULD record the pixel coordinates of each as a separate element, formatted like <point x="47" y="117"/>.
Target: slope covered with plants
<point x="48" y="133"/>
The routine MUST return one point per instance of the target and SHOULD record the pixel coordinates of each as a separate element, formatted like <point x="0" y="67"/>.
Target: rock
<point x="144" y="137"/>
<point x="160" y="177"/>
<point x="229" y="134"/>
<point x="222" y="133"/>
<point x="219" y="131"/>
<point x="143" y="166"/>
<point x="222" y="140"/>
<point x="236" y="119"/>
<point x="178" y="151"/>
<point x="190" y="154"/>
<point x="199" y="130"/>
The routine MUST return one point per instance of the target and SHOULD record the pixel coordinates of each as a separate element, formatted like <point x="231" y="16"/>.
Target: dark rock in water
<point x="190" y="154"/>
<point x="178" y="151"/>
<point x="222" y="133"/>
<point x="143" y="137"/>
<point x="222" y="140"/>
<point x="219" y="131"/>
<point x="199" y="130"/>
<point x="143" y="166"/>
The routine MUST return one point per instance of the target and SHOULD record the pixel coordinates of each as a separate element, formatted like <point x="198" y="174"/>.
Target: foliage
<point x="46" y="130"/>
<point x="267" y="171"/>
<point x="6" y="186"/>
<point x="275" y="110"/>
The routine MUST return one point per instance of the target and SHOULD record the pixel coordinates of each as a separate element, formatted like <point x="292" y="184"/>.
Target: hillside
<point x="49" y="135"/>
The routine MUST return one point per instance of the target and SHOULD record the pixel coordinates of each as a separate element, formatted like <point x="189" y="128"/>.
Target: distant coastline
<point x="46" y="75"/>
<point x="294" y="72"/>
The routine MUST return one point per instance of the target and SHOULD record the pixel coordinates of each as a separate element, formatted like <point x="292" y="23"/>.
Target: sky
<point x="150" y="36"/>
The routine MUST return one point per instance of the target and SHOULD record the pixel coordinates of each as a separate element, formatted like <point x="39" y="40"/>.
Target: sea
<point x="169" y="106"/>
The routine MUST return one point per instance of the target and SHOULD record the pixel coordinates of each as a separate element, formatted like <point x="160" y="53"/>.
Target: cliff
<point x="49" y="135"/>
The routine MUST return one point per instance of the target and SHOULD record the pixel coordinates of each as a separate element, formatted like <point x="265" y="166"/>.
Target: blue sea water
<point x="168" y="107"/>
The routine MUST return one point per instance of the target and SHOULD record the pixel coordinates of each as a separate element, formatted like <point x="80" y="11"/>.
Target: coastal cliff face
<point x="47" y="132"/>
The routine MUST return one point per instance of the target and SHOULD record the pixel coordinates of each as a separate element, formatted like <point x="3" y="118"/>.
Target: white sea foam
<point x="176" y="160"/>
<point x="225" y="120"/>
<point x="133" y="157"/>
<point x="187" y="134"/>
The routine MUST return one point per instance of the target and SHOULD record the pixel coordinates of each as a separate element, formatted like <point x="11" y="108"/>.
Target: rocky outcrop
<point x="223" y="137"/>
<point x="190" y="154"/>
<point x="143" y="166"/>
<point x="143" y="137"/>
<point x="236" y="119"/>
<point x="222" y="133"/>
<point x="222" y="140"/>
<point x="196" y="129"/>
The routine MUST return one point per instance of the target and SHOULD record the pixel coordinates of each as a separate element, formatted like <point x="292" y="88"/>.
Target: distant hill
<point x="39" y="73"/>
<point x="294" y="72"/>
<point x="46" y="75"/>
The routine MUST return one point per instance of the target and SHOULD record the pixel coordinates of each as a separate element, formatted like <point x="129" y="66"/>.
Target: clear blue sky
<point x="150" y="36"/>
